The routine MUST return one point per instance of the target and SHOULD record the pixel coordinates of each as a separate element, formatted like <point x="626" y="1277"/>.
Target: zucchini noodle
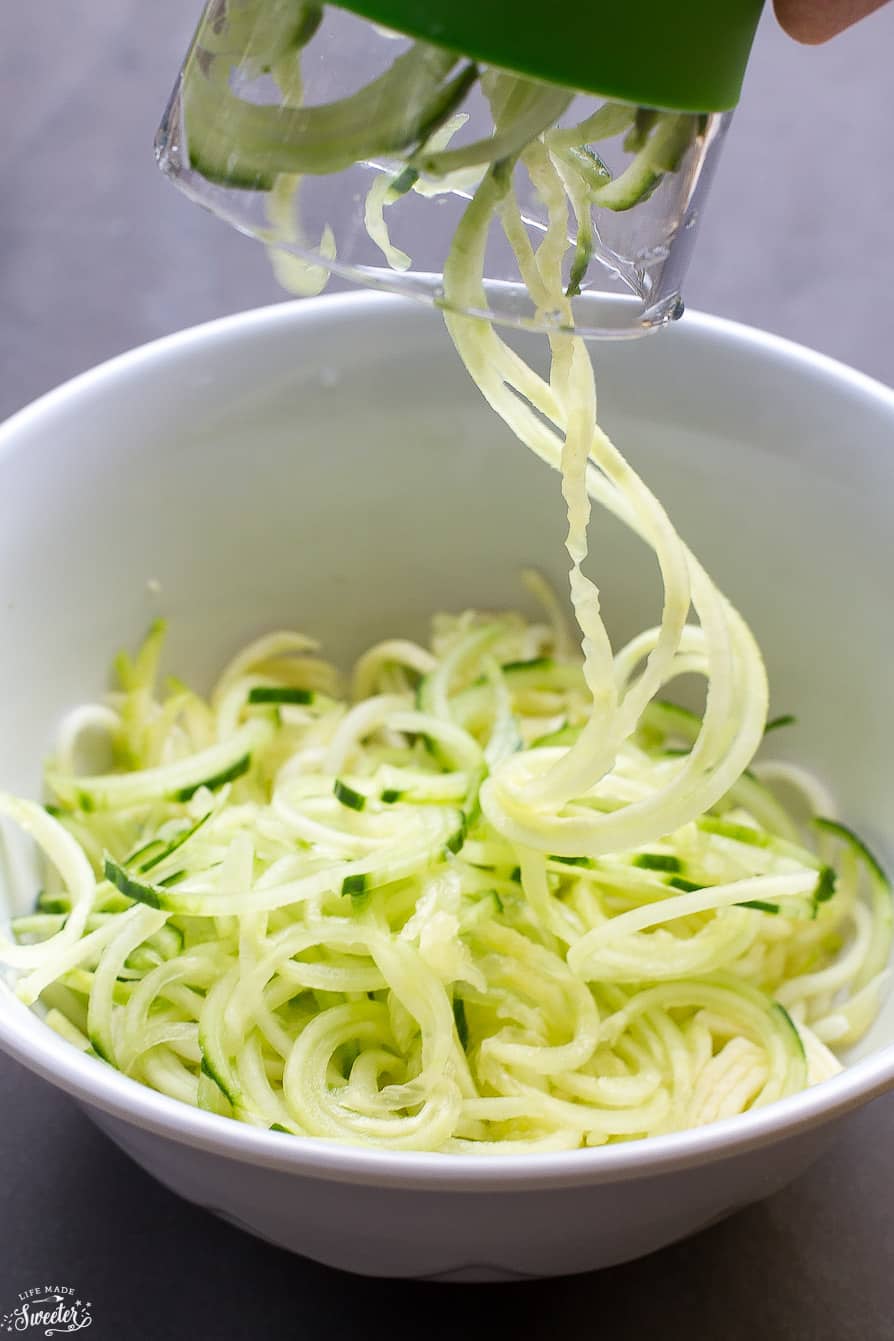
<point x="497" y="896"/>
<point x="305" y="909"/>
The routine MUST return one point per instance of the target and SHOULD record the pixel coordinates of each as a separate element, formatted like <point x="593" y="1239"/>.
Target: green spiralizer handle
<point x="685" y="55"/>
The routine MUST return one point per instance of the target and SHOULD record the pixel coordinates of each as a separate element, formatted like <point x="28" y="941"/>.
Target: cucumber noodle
<point x="286" y="905"/>
<point x="494" y="898"/>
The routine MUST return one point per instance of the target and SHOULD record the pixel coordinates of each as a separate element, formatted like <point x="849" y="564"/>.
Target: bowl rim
<point x="25" y="1038"/>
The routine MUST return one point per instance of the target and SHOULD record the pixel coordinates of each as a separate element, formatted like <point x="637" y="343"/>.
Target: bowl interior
<point x="330" y="466"/>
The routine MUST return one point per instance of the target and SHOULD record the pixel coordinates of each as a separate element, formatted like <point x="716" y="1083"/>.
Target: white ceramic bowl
<point x="329" y="465"/>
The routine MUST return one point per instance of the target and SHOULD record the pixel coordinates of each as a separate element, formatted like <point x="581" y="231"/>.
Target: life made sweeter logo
<point x="49" y="1309"/>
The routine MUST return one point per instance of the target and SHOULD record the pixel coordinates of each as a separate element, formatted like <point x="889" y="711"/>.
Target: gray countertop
<point x="97" y="254"/>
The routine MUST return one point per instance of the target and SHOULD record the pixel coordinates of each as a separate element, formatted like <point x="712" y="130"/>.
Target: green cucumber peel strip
<point x="173" y="846"/>
<point x="280" y="694"/>
<point x="456" y="840"/>
<point x="683" y="885"/>
<point x="139" y="890"/>
<point x="794" y="905"/>
<point x="230" y="774"/>
<point x="179" y="781"/>
<point x="347" y="796"/>
<point x="840" y="831"/>
<point x="207" y="1069"/>
<point x="533" y="663"/>
<point x="793" y="1032"/>
<point x="247" y="145"/>
<point x="637" y="137"/>
<point x="776" y="723"/>
<point x="662" y="153"/>
<point x="736" y="833"/>
<point x="462" y="1027"/>
<point x="658" y="861"/>
<point x="52" y="904"/>
<point x="529" y="110"/>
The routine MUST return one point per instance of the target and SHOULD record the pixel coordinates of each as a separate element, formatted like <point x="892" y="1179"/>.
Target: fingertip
<point x="808" y="23"/>
<point x="813" y="22"/>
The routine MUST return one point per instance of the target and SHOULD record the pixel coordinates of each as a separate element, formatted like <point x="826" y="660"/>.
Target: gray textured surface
<point x="97" y="254"/>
